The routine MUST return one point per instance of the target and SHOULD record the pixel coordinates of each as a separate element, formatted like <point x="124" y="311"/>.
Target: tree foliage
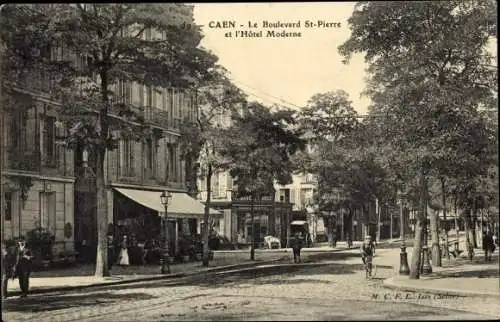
<point x="85" y="49"/>
<point x="430" y="74"/>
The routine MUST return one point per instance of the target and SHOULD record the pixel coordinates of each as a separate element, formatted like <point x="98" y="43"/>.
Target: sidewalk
<point x="81" y="276"/>
<point x="457" y="277"/>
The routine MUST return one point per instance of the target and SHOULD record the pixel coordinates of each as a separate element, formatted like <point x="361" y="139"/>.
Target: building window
<point x="215" y="185"/>
<point x="8" y="206"/>
<point x="49" y="141"/>
<point x="285" y="195"/>
<point x="128" y="158"/>
<point x="305" y="196"/>
<point x="124" y="91"/>
<point x="150" y="153"/>
<point x="48" y="211"/>
<point x="172" y="162"/>
<point x="24" y="125"/>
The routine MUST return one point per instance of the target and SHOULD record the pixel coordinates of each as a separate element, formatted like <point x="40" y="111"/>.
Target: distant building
<point x="50" y="186"/>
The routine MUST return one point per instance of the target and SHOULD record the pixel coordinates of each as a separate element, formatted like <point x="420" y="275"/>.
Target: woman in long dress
<point x="124" y="253"/>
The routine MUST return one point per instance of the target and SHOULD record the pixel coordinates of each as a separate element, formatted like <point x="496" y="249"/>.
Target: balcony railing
<point x="35" y="81"/>
<point x="26" y="161"/>
<point x="152" y="115"/>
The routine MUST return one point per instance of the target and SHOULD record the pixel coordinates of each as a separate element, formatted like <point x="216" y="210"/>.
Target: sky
<point x="285" y="71"/>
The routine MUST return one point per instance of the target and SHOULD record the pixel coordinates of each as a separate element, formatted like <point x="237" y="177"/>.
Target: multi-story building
<point x="51" y="186"/>
<point x="271" y="216"/>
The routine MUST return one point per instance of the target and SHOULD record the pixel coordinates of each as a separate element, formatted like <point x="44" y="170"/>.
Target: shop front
<point x="139" y="215"/>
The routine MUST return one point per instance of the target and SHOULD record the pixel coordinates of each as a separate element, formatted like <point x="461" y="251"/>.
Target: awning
<point x="181" y="204"/>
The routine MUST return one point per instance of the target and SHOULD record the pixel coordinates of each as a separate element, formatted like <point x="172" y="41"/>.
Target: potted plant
<point x="185" y="248"/>
<point x="197" y="247"/>
<point x="41" y="241"/>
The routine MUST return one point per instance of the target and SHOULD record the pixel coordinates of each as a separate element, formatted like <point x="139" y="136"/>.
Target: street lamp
<point x="426" y="265"/>
<point x="404" y="269"/>
<point x="165" y="198"/>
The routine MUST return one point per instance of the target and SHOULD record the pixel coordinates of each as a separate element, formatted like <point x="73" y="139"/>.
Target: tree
<point x="260" y="147"/>
<point x="328" y="119"/>
<point x="344" y="161"/>
<point x="428" y="63"/>
<point x="204" y="139"/>
<point x="152" y="45"/>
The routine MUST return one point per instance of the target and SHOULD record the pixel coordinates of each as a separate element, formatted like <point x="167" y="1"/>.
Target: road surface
<point x="309" y="292"/>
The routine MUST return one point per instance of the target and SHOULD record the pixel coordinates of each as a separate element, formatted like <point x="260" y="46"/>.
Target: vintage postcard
<point x="249" y="161"/>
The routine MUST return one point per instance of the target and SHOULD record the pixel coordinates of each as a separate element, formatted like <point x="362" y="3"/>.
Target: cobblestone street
<point x="314" y="292"/>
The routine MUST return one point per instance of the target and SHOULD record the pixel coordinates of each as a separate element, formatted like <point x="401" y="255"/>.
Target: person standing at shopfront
<point x="9" y="265"/>
<point x="124" y="259"/>
<point x="23" y="266"/>
<point x="111" y="252"/>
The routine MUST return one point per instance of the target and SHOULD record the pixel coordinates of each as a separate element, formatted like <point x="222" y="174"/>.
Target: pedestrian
<point x="124" y="259"/>
<point x="488" y="245"/>
<point x="367" y="250"/>
<point x="111" y="252"/>
<point x="296" y="246"/>
<point x="9" y="265"/>
<point x="23" y="266"/>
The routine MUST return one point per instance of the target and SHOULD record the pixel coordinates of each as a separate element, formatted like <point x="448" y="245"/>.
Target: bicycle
<point x="369" y="267"/>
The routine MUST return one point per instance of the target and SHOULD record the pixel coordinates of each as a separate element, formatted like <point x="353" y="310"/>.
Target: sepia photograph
<point x="260" y="161"/>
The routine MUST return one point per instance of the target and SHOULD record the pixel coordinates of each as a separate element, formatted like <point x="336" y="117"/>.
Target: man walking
<point x="296" y="242"/>
<point x="488" y="245"/>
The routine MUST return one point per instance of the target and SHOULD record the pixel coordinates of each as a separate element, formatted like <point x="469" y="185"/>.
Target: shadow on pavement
<point x="279" y="275"/>
<point x="51" y="303"/>
<point x="329" y="256"/>
<point x="488" y="273"/>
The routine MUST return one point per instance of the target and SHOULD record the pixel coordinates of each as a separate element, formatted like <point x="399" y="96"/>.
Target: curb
<point x="147" y="279"/>
<point x="232" y="267"/>
<point x="390" y="284"/>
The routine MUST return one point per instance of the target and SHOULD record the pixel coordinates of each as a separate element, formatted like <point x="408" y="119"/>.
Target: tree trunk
<point x="364" y="220"/>
<point x="473" y="227"/>
<point x="419" y="230"/>
<point x="468" y="234"/>
<point x="417" y="250"/>
<point x="206" y="257"/>
<point x="377" y="214"/>
<point x="101" y="268"/>
<point x="436" y="252"/>
<point x="446" y="245"/>
<point x="456" y="222"/>
<point x="252" y="241"/>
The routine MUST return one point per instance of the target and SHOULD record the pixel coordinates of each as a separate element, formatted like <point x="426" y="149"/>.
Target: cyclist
<point x="367" y="250"/>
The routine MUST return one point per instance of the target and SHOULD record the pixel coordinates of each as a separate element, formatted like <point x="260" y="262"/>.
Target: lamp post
<point x="426" y="266"/>
<point x="165" y="198"/>
<point x="404" y="269"/>
<point x="282" y="198"/>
